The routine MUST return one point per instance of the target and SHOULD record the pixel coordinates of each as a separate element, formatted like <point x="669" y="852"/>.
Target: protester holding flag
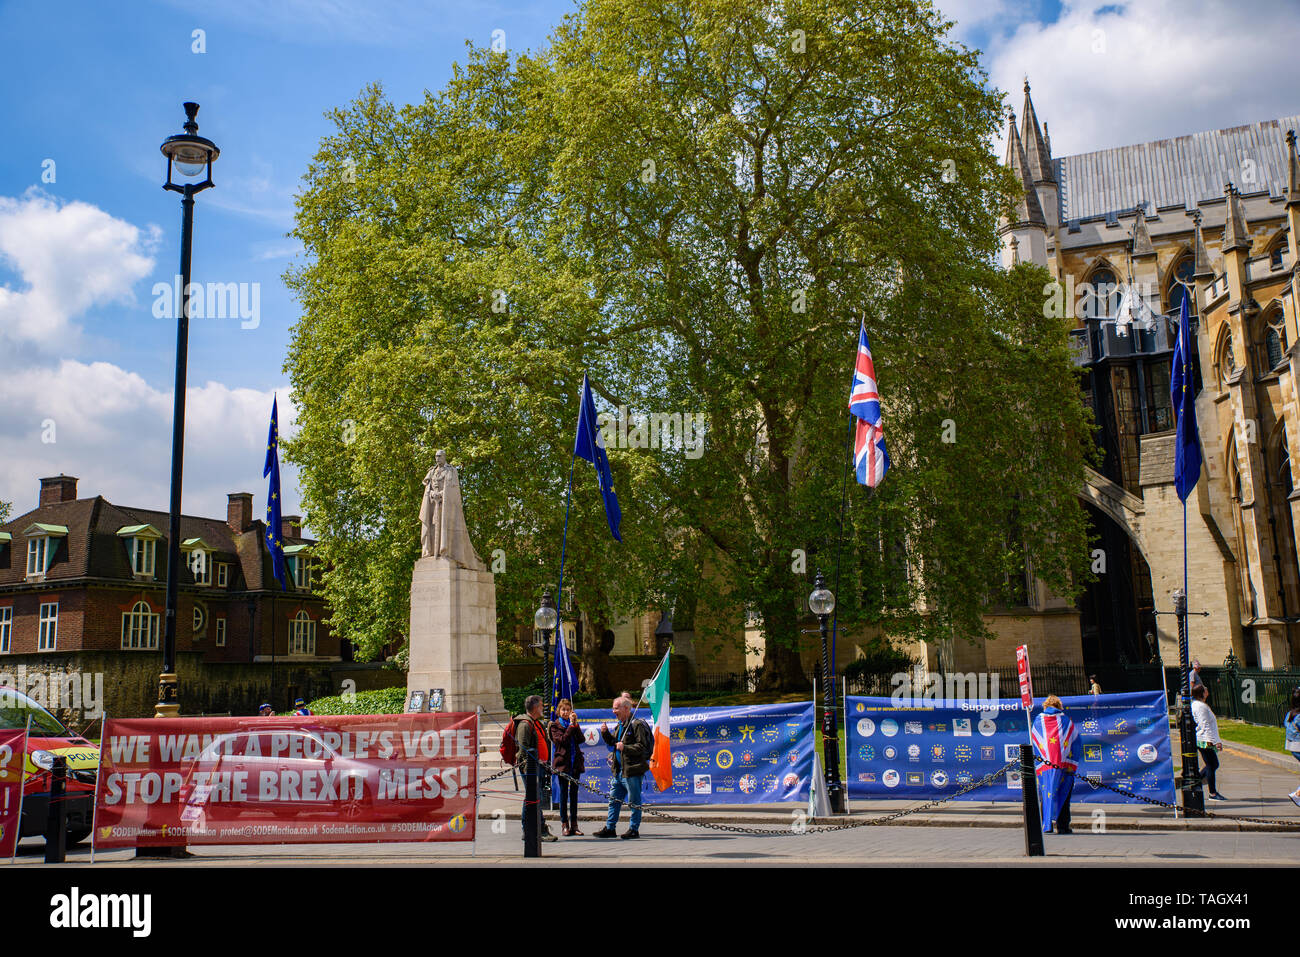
<point x="1054" y="736"/>
<point x="567" y="761"/>
<point x="633" y="744"/>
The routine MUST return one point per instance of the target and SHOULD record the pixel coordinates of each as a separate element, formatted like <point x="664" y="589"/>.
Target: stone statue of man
<point x="442" y="518"/>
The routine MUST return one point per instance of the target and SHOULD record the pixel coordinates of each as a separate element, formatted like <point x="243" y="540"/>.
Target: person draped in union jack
<point x="1054" y="736"/>
<point x="870" y="459"/>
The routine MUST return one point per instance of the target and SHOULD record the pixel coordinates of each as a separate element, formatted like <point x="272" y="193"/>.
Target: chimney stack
<point x="60" y="488"/>
<point x="239" y="511"/>
<point x="291" y="526"/>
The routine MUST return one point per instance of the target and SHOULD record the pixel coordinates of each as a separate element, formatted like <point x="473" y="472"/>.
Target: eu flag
<point x="566" y="679"/>
<point x="272" y="468"/>
<point x="590" y="445"/>
<point x="1187" y="446"/>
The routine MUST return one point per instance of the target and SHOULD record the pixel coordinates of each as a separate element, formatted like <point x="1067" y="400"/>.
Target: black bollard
<point x="56" y="820"/>
<point x="1029" y="798"/>
<point x="532" y="809"/>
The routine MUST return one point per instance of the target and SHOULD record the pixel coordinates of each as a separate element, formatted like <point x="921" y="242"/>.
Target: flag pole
<point x="839" y="545"/>
<point x="559" y="592"/>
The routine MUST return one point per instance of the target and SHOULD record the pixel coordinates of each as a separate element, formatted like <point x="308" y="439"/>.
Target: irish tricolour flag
<point x="656" y="695"/>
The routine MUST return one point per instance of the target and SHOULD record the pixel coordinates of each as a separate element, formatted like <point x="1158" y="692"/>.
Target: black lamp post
<point x="545" y="620"/>
<point x="1193" y="798"/>
<point x="822" y="602"/>
<point x="191" y="156"/>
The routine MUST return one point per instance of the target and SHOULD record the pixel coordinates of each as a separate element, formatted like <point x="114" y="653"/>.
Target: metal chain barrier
<point x="788" y="832"/>
<point x="985" y="781"/>
<point x="1165" y="804"/>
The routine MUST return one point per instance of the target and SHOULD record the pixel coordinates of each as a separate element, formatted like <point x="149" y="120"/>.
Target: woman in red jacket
<point x="566" y="756"/>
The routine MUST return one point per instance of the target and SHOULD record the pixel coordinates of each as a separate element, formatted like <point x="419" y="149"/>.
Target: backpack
<point x="509" y="749"/>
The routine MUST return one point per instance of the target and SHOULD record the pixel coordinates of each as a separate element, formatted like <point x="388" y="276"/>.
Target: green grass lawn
<point x="1260" y="736"/>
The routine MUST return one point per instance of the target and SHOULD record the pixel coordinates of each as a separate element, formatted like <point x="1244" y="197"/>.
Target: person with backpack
<point x="568" y="763"/>
<point x="526" y="737"/>
<point x="1207" y="738"/>
<point x="1291" y="722"/>
<point x="633" y="743"/>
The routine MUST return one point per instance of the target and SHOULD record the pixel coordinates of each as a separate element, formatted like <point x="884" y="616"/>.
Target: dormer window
<point x="42" y="544"/>
<point x="142" y="548"/>
<point x="198" y="558"/>
<point x="301" y="565"/>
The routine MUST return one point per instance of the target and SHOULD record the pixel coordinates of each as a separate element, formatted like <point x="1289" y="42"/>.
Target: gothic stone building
<point x="1213" y="216"/>
<point x="83" y="574"/>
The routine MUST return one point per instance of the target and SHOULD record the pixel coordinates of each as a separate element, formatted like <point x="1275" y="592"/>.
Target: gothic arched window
<point x="1274" y="339"/>
<point x="1102" y="295"/>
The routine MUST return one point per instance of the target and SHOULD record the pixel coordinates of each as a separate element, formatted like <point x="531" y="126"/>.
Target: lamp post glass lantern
<point x="821" y="603"/>
<point x="189" y="155"/>
<point x="545" y="620"/>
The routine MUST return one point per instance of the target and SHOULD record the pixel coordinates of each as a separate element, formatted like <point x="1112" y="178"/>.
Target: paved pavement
<point x="1256" y="782"/>
<point x="990" y="834"/>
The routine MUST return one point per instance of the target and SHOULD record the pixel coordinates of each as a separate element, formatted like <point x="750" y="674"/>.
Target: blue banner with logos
<point x="929" y="749"/>
<point x="751" y="755"/>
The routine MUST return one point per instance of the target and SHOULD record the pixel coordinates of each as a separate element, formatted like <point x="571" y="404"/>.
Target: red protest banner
<point x="13" y="746"/>
<point x="1022" y="672"/>
<point x="319" y="779"/>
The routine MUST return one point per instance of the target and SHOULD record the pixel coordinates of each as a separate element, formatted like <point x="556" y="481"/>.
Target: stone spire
<point x="1234" y="230"/>
<point x="1293" y="171"/>
<point x="1027" y="209"/>
<point x="1141" y="236"/>
<point x="1201" y="265"/>
<point x="1036" y="148"/>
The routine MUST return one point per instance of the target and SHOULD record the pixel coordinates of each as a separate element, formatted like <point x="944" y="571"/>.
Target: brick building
<point x="86" y="575"/>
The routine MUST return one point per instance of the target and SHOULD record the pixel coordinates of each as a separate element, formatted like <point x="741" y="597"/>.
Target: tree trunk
<point x="597" y="643"/>
<point x="782" y="669"/>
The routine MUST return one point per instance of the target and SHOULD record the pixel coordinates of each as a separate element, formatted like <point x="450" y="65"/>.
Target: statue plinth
<point x="454" y="638"/>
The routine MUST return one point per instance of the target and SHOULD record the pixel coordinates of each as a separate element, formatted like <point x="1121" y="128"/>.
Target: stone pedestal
<point x="454" y="639"/>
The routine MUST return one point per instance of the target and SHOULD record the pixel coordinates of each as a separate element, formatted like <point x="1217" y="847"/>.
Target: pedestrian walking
<point x="568" y="762"/>
<point x="1095" y="688"/>
<point x="1207" y="738"/>
<point x="1292" y="725"/>
<point x="531" y="740"/>
<point x="1054" y="736"/>
<point x="633" y="743"/>
<point x="1195" y="678"/>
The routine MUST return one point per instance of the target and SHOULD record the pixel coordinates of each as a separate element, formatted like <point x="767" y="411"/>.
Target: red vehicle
<point x="46" y="740"/>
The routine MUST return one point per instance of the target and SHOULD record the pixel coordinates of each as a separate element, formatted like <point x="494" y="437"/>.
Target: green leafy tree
<point x="696" y="203"/>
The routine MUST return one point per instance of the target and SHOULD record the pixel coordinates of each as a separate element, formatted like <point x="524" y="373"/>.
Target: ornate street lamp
<point x="190" y="156"/>
<point x="821" y="603"/>
<point x="545" y="620"/>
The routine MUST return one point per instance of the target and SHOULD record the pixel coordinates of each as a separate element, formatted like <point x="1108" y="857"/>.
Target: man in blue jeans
<point x="633" y="743"/>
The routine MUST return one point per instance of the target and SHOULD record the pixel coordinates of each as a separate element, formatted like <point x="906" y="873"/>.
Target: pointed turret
<point x="1036" y="149"/>
<point x="1027" y="209"/>
<point x="1235" y="235"/>
<point x="1293" y="171"/>
<point x="1141" y="236"/>
<point x="1201" y="263"/>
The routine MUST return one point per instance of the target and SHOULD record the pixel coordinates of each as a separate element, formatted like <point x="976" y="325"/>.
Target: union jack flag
<point x="870" y="459"/>
<point x="1054" y="736"/>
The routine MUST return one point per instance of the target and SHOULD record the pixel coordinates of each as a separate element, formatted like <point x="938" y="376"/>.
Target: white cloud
<point x="68" y="257"/>
<point x="113" y="430"/>
<point x="1118" y="74"/>
<point x="95" y="420"/>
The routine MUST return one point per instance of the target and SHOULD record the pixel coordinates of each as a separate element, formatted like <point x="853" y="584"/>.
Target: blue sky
<point x="85" y="367"/>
